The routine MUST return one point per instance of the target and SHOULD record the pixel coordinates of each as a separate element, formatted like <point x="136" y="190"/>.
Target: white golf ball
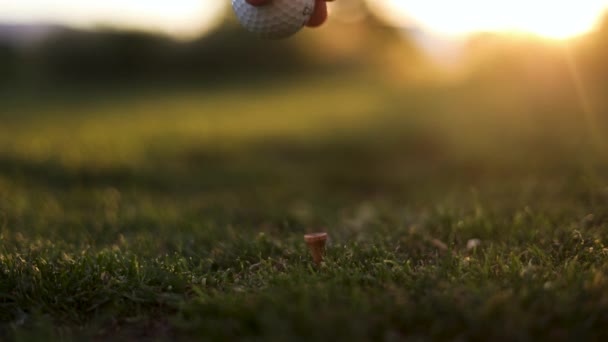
<point x="278" y="19"/>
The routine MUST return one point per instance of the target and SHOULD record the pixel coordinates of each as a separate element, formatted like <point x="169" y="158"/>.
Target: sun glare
<point x="556" y="19"/>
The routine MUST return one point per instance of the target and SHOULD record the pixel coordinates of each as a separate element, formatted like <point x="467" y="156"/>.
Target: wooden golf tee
<point x="316" y="245"/>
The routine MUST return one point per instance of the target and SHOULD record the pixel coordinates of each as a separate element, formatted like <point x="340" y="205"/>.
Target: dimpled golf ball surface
<point x="276" y="20"/>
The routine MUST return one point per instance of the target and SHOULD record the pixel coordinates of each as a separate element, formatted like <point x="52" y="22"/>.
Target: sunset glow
<point x="188" y="18"/>
<point x="556" y="19"/>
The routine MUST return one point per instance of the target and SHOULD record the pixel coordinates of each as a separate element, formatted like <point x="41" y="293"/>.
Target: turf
<point x="161" y="214"/>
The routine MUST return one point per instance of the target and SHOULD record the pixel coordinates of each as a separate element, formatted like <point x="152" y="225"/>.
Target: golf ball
<point x="276" y="20"/>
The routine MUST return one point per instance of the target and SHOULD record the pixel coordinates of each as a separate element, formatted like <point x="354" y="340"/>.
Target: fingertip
<point x="319" y="16"/>
<point x="257" y="2"/>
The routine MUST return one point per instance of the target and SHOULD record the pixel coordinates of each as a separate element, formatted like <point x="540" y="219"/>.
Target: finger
<point x="257" y="2"/>
<point x="319" y="16"/>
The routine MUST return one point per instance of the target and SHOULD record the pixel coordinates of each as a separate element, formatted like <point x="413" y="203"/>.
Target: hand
<point x="318" y="17"/>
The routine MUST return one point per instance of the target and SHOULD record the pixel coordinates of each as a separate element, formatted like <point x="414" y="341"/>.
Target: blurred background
<point x="48" y="41"/>
<point x="390" y="97"/>
<point x="159" y="166"/>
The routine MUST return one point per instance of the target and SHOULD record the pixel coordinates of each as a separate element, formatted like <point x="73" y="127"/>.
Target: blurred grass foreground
<point x="152" y="188"/>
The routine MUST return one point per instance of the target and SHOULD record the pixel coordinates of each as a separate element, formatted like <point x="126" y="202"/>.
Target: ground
<point x="454" y="213"/>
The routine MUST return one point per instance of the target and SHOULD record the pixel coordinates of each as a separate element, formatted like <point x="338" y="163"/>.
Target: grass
<point x="164" y="214"/>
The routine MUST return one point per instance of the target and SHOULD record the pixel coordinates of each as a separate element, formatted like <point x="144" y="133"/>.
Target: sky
<point x="189" y="18"/>
<point x="181" y="18"/>
<point x="549" y="18"/>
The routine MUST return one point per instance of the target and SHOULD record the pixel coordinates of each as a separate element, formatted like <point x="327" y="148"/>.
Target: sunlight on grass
<point x="113" y="131"/>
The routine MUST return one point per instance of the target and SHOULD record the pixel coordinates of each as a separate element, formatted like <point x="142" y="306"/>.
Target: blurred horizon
<point x="192" y="19"/>
<point x="503" y="76"/>
<point x="488" y="72"/>
<point x="42" y="40"/>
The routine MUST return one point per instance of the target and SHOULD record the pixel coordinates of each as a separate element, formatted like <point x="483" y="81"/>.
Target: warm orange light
<point x="558" y="19"/>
